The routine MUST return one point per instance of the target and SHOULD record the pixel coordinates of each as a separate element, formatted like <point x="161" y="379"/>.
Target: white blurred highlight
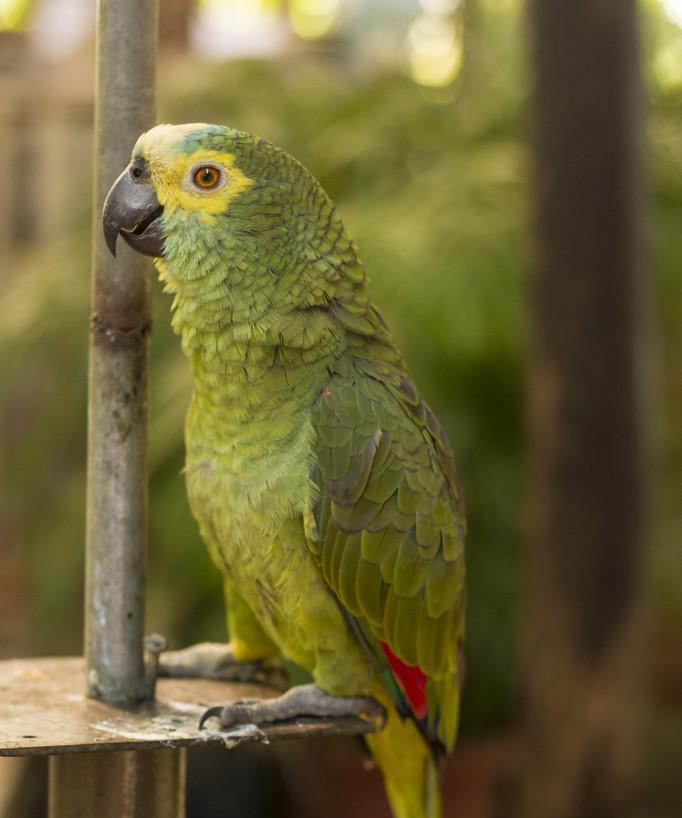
<point x="435" y="49"/>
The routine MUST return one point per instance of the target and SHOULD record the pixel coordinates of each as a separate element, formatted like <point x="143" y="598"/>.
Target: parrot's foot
<point x="211" y="660"/>
<point x="304" y="700"/>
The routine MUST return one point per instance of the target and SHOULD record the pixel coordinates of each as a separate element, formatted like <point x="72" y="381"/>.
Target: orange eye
<point x="207" y="177"/>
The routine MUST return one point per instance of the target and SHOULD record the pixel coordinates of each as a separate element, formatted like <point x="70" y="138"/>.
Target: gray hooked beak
<point x="132" y="209"/>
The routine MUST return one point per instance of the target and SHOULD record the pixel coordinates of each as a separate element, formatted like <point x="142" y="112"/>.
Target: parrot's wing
<point x="390" y="531"/>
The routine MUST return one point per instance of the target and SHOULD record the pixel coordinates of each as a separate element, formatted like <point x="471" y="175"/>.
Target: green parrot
<point x="321" y="481"/>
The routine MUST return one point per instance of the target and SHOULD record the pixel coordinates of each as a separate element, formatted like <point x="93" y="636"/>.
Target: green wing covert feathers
<point x="391" y="520"/>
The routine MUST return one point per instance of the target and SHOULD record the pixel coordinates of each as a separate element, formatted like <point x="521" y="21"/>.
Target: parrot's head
<point x="199" y="183"/>
<point x="179" y="177"/>
<point x="230" y="216"/>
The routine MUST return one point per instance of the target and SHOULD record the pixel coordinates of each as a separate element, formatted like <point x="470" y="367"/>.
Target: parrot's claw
<point x="304" y="700"/>
<point x="211" y="660"/>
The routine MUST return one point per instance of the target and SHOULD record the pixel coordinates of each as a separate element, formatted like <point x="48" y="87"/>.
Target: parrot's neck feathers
<point x="263" y="313"/>
<point x="255" y="352"/>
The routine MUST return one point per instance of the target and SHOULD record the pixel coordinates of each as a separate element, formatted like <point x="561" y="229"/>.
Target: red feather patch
<point x="412" y="679"/>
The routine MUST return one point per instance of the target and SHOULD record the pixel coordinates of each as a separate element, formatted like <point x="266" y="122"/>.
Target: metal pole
<point x="143" y="784"/>
<point x="116" y="523"/>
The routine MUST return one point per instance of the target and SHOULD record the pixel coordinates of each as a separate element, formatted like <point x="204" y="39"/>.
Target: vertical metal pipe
<point x="116" y="523"/>
<point x="127" y="784"/>
<point x="144" y="784"/>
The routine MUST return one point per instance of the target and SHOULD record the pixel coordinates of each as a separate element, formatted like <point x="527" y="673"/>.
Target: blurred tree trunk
<point x="585" y="510"/>
<point x="174" y="20"/>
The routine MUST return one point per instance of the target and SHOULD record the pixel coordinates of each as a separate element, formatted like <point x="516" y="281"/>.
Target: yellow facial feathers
<point x="172" y="171"/>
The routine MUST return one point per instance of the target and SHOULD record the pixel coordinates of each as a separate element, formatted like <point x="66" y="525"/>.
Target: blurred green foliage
<point x="434" y="190"/>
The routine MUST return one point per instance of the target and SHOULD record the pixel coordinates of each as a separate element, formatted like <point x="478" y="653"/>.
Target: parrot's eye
<point x="207" y="177"/>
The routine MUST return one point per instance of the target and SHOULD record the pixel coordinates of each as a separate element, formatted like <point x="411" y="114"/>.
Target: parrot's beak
<point x="132" y="209"/>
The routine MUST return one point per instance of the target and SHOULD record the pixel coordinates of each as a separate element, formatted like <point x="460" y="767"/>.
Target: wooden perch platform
<point x="44" y="711"/>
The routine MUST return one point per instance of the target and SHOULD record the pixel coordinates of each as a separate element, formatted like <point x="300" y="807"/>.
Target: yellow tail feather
<point x="409" y="770"/>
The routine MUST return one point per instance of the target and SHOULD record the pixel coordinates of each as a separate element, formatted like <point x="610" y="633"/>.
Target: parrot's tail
<point x="409" y="769"/>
